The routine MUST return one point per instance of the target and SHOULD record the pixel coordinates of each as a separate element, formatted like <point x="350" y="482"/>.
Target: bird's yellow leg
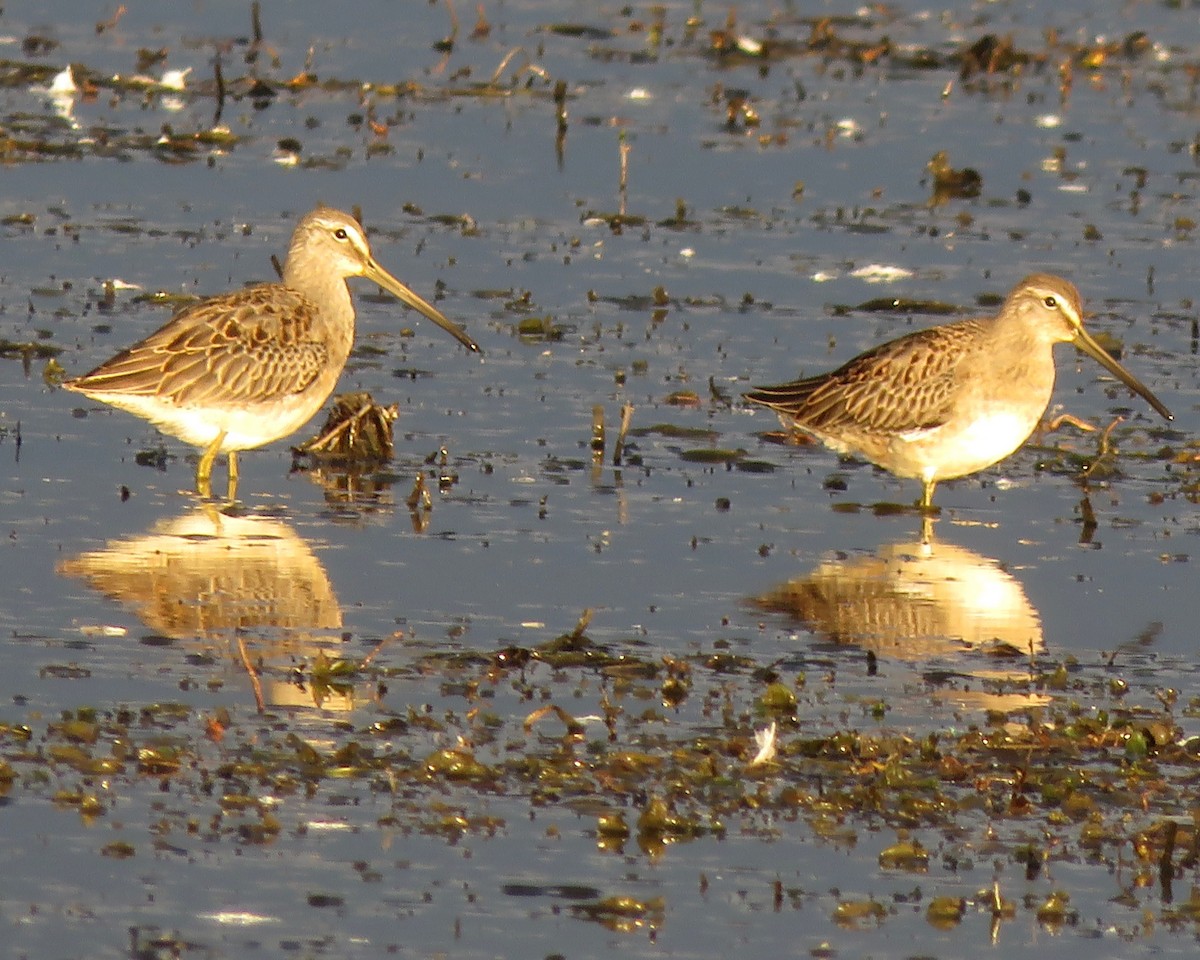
<point x="927" y="497"/>
<point x="233" y="475"/>
<point x="204" y="467"/>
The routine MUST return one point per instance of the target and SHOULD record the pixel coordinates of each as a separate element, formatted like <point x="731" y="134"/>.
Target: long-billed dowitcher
<point x="947" y="401"/>
<point x="241" y="369"/>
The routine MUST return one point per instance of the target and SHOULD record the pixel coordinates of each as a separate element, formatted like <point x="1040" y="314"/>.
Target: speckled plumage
<point x="242" y="369"/>
<point x="947" y="401"/>
<point x="249" y="346"/>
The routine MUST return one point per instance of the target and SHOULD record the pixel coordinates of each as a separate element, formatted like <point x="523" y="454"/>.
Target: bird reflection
<point x="917" y="601"/>
<point x="212" y="576"/>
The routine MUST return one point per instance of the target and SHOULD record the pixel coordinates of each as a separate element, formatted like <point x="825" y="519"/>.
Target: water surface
<point x="170" y="817"/>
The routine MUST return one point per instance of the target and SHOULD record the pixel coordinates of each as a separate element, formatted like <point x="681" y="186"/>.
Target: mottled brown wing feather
<point x="905" y="384"/>
<point x="253" y="344"/>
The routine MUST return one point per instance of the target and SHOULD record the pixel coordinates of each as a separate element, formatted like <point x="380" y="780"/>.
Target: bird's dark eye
<point x="1050" y="302"/>
<point x="341" y="233"/>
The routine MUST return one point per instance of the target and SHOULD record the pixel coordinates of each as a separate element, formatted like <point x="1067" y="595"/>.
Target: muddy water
<point x="400" y="792"/>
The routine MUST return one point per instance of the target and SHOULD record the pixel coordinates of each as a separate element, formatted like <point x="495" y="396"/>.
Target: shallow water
<point x="129" y="615"/>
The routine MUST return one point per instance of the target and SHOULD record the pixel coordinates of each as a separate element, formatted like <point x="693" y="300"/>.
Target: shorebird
<point x="947" y="401"/>
<point x="241" y="369"/>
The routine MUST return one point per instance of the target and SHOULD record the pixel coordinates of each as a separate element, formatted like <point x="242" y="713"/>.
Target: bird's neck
<point x="331" y="295"/>
<point x="1019" y="354"/>
<point x="330" y="291"/>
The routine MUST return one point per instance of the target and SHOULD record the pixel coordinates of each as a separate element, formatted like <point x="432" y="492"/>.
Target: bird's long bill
<point x="1085" y="342"/>
<point x="374" y="272"/>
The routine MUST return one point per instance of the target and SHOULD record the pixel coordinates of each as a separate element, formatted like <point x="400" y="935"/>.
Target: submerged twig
<point x="623" y="182"/>
<point x="597" y="432"/>
<point x="1105" y="450"/>
<point x="619" y="446"/>
<point x="499" y="71"/>
<point x="111" y="21"/>
<point x="528" y="65"/>
<point x="252" y="673"/>
<point x="1105" y="438"/>
<point x="581" y="626"/>
<point x="1088" y="518"/>
<point x="366" y="661"/>
<point x="1166" y="868"/>
<point x="256" y="22"/>
<point x="575" y="729"/>
<point x="445" y="46"/>
<point x="560" y="112"/>
<point x="482" y="28"/>
<point x="1073" y="420"/>
<point x="220" y="77"/>
<point x="560" y="106"/>
<point x="258" y="43"/>
<point x="420" y="496"/>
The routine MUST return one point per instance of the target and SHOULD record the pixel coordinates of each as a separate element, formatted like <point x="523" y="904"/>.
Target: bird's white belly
<point x="957" y="449"/>
<point x="244" y="428"/>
